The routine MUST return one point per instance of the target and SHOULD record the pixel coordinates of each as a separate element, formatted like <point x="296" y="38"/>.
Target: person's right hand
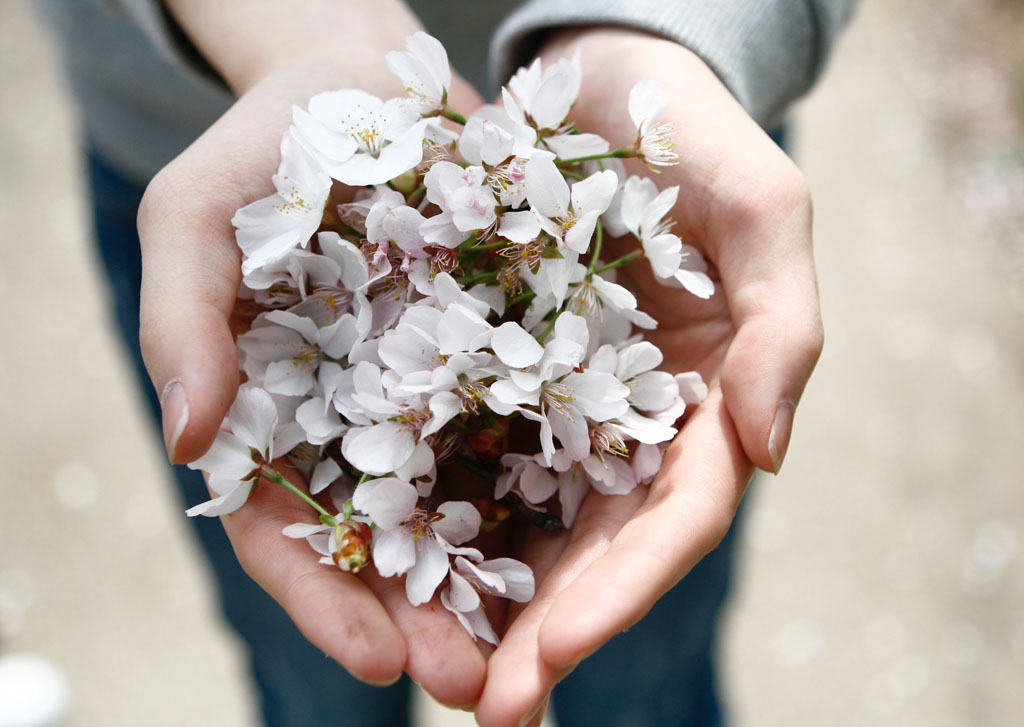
<point x="273" y="55"/>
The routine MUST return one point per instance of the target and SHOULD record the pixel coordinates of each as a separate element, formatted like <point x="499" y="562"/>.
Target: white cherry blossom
<point x="466" y="201"/>
<point x="413" y="541"/>
<point x="284" y="351"/>
<point x="643" y="210"/>
<point x="244" y="444"/>
<point x="361" y="139"/>
<point x="653" y="140"/>
<point x="564" y="213"/>
<point x="503" y="577"/>
<point x="545" y="95"/>
<point x="268" y="229"/>
<point x="423" y="70"/>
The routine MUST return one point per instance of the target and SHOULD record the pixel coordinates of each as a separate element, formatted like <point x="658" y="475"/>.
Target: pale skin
<point x="741" y="202"/>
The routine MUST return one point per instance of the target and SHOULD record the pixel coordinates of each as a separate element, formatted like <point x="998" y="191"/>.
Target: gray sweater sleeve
<point x="767" y="52"/>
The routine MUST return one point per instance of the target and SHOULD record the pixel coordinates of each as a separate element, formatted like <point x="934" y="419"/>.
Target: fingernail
<point x="174" y="406"/>
<point x="782" y="428"/>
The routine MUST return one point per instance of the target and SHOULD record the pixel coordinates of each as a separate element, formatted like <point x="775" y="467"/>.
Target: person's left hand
<point x="744" y="205"/>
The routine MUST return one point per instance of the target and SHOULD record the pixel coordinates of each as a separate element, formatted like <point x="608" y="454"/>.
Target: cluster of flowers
<point x="445" y="303"/>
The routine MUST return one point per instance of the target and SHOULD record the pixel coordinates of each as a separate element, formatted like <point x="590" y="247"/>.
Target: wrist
<point x="251" y="40"/>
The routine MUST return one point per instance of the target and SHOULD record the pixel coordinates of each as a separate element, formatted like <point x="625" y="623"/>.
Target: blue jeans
<point x="660" y="673"/>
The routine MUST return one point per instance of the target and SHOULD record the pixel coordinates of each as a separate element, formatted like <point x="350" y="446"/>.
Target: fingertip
<point x="558" y="641"/>
<point x="194" y="366"/>
<point x="385" y="666"/>
<point x="763" y="378"/>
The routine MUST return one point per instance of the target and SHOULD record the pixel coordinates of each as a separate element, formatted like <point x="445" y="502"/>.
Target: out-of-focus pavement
<point x="882" y="580"/>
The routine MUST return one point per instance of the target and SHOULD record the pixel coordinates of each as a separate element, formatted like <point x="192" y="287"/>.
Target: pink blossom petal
<point x="462" y="596"/>
<point x="253" y="417"/>
<point x="598" y="395"/>
<point x="302" y="530"/>
<point x="225" y="504"/>
<point x="515" y="347"/>
<point x="692" y="387"/>
<point x="569" y="425"/>
<point x="521" y="227"/>
<point x="394" y="552"/>
<point x="228" y="456"/>
<point x="426" y="575"/>
<point x="545" y="187"/>
<point x="572" y="488"/>
<point x="646" y="101"/>
<point x="653" y="391"/>
<point x="570" y="146"/>
<point x="288" y="379"/>
<point x="646" y="461"/>
<point x="697" y="283"/>
<point x="378" y="449"/>
<point x="461" y="522"/>
<point x="444" y="406"/>
<point x="325" y="473"/>
<point x="388" y="501"/>
<point x="594" y="193"/>
<point x="518" y="577"/>
<point x="537" y="483"/>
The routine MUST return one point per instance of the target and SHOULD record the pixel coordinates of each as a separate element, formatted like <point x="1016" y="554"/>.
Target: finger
<point x="441" y="655"/>
<point x="765" y="259"/>
<point x="191" y="269"/>
<point x="687" y="512"/>
<point x="336" y="611"/>
<point x="518" y="679"/>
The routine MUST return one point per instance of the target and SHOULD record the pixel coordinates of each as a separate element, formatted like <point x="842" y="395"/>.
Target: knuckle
<point x="153" y="206"/>
<point x="753" y="195"/>
<point x="814" y="339"/>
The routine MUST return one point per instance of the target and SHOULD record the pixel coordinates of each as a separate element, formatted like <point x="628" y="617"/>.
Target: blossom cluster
<point x="428" y="300"/>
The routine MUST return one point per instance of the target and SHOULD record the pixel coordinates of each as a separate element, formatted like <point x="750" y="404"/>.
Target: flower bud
<point x="350" y="545"/>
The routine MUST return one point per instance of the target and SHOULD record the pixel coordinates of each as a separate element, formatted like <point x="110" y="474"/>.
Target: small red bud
<point x="351" y="549"/>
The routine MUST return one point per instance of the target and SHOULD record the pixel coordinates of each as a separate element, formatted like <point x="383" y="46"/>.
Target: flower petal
<point x="515" y="347"/>
<point x="426" y="575"/>
<point x="461" y="522"/>
<point x="394" y="552"/>
<point x="388" y="502"/>
<point x="253" y="417"/>
<point x="225" y="504"/>
<point x="378" y="449"/>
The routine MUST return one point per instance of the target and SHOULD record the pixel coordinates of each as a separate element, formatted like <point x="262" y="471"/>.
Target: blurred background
<point x="882" y="578"/>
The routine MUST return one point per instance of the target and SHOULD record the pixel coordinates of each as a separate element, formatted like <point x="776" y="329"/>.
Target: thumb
<point x="767" y="268"/>
<point x="190" y="276"/>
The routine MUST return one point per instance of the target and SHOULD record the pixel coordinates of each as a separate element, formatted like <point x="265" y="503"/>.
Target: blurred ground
<point x="882" y="580"/>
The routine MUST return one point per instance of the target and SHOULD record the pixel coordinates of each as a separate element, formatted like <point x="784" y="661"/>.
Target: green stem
<point x="522" y="298"/>
<point x="551" y="327"/>
<point x="416" y="196"/>
<point x="623" y="153"/>
<point x="598" y="242"/>
<point x="624" y="260"/>
<point x="449" y="113"/>
<point x="276" y="477"/>
<point x="478" y="278"/>
<point x="489" y="245"/>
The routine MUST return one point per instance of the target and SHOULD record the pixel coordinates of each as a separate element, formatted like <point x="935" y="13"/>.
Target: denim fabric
<point x="660" y="673"/>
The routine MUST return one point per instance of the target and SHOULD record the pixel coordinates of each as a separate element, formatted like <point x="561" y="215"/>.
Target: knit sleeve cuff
<point x="766" y="52"/>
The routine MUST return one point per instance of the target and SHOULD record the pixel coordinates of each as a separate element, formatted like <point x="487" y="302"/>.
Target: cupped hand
<point x="191" y="274"/>
<point x="745" y="206"/>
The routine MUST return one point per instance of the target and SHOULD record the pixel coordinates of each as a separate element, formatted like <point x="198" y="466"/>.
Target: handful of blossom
<point x="458" y="295"/>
